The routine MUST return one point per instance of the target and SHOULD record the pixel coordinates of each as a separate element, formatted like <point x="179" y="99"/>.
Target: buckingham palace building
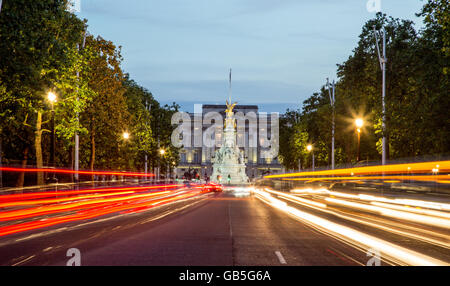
<point x="254" y="134"/>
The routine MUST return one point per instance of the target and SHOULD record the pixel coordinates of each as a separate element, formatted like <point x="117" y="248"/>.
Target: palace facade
<point x="199" y="157"/>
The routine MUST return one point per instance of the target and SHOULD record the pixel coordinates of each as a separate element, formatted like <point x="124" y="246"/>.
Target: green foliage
<point x="95" y="99"/>
<point x="73" y="86"/>
<point x="437" y="18"/>
<point x="36" y="38"/>
<point x="417" y="100"/>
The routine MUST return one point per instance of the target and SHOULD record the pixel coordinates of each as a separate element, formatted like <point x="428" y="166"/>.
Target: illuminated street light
<point x="310" y="149"/>
<point x="359" y="124"/>
<point x="161" y="152"/>
<point x="51" y="97"/>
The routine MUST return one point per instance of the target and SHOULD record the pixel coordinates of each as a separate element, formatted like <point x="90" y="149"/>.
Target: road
<point x="235" y="227"/>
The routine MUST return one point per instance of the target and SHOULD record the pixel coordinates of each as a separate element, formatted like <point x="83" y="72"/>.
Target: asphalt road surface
<point x="217" y="229"/>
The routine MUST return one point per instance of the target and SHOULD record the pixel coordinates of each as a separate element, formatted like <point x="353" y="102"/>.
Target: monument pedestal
<point x="229" y="165"/>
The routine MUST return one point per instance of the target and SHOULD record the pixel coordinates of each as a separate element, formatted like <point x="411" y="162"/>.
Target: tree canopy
<point x="45" y="48"/>
<point x="417" y="101"/>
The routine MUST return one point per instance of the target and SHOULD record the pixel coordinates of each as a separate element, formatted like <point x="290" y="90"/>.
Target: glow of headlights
<point x="414" y="210"/>
<point x="393" y="213"/>
<point x="300" y="200"/>
<point x="407" y="256"/>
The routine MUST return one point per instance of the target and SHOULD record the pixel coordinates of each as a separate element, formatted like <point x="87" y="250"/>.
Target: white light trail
<point x="352" y="236"/>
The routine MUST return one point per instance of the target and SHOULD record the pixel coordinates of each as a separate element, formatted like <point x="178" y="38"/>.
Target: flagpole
<point x="229" y="91"/>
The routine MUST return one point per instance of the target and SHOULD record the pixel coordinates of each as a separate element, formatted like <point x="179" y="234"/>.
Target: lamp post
<point x="332" y="93"/>
<point x="77" y="136"/>
<point x="1" y="172"/>
<point x="311" y="150"/>
<point x="51" y="97"/>
<point x="126" y="137"/>
<point x="359" y="124"/>
<point x="174" y="170"/>
<point x="161" y="152"/>
<point x="383" y="60"/>
<point x="148" y="107"/>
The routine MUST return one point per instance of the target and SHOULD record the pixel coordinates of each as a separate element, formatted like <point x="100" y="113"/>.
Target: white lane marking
<point x="24" y="260"/>
<point x="229" y="221"/>
<point x="280" y="257"/>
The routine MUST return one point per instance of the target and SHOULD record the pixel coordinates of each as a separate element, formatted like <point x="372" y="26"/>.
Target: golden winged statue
<point x="229" y="109"/>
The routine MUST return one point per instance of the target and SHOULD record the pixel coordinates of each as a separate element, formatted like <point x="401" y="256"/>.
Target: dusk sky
<point x="280" y="51"/>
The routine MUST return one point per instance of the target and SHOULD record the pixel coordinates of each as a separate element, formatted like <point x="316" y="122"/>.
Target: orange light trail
<point x="39" y="210"/>
<point x="63" y="171"/>
<point x="79" y="192"/>
<point x="83" y="215"/>
<point x="88" y="206"/>
<point x="389" y="179"/>
<point x="413" y="168"/>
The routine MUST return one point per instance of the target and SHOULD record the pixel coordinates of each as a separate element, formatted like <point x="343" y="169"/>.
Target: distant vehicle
<point x="213" y="187"/>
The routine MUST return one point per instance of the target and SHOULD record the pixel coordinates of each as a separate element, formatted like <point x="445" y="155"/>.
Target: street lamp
<point x="161" y="152"/>
<point x="359" y="124"/>
<point x="122" y="151"/>
<point x="332" y="94"/>
<point x="174" y="170"/>
<point x="311" y="149"/>
<point x="51" y="97"/>
<point x="383" y="60"/>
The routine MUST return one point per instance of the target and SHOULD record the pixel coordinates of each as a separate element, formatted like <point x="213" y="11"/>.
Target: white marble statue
<point x="229" y="165"/>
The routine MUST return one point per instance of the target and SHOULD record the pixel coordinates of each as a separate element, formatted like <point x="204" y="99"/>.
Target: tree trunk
<point x="1" y="160"/>
<point x="72" y="163"/>
<point x="92" y="159"/>
<point x="21" y="178"/>
<point x="38" y="147"/>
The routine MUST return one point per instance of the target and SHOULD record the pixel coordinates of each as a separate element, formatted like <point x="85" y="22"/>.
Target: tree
<point x="95" y="99"/>
<point x="36" y="37"/>
<point x="437" y="18"/>
<point x="417" y="101"/>
<point x="139" y="102"/>
<point x="106" y="117"/>
<point x="163" y="129"/>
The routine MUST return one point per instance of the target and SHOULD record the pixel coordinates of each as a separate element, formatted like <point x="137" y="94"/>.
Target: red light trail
<point x="63" y="171"/>
<point x="93" y="203"/>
